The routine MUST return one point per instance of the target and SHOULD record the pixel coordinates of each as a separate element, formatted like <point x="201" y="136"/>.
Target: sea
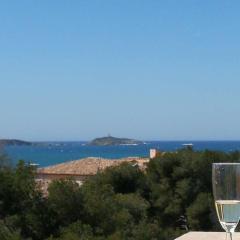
<point x="50" y="153"/>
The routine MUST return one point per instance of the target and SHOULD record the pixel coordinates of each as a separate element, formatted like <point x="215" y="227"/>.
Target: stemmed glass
<point x="226" y="191"/>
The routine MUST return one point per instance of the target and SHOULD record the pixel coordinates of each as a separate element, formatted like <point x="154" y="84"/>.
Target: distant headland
<point x="113" y="141"/>
<point x="14" y="142"/>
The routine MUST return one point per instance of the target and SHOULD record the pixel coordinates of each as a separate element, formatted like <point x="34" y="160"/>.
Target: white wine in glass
<point x="226" y="191"/>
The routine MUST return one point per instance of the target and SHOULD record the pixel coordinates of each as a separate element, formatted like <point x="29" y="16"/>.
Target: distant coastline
<point x="14" y="142"/>
<point x="50" y="153"/>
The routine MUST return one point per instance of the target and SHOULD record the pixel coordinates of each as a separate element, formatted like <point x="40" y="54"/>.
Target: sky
<point x="149" y="69"/>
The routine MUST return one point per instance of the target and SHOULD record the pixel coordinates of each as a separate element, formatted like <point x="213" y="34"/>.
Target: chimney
<point x="153" y="153"/>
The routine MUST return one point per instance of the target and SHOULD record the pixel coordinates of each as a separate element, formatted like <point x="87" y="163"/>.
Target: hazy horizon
<point x="150" y="70"/>
<point x="146" y="140"/>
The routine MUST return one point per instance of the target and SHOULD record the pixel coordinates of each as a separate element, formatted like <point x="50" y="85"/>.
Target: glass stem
<point x="228" y="236"/>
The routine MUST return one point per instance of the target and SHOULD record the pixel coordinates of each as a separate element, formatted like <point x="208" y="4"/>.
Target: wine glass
<point x="226" y="191"/>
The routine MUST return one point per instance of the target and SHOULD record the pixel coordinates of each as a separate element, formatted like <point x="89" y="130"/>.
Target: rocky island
<point x="113" y="141"/>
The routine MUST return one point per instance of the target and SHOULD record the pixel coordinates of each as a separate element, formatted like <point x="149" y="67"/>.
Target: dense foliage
<point x="173" y="196"/>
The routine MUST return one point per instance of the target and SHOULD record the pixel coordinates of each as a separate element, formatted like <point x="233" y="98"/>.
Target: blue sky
<point x="152" y="70"/>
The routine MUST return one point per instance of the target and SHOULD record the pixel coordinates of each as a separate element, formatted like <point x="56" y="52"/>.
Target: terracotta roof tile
<point x="89" y="166"/>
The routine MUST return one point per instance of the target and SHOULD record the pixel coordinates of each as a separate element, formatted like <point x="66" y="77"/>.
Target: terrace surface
<point x="207" y="236"/>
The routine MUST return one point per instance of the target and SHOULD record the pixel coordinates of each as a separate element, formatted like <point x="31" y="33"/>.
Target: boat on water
<point x="34" y="164"/>
<point x="188" y="144"/>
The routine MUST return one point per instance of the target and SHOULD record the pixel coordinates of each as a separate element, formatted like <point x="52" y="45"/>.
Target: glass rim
<point x="226" y="163"/>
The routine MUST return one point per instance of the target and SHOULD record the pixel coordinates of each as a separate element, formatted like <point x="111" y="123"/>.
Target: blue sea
<point x="49" y="153"/>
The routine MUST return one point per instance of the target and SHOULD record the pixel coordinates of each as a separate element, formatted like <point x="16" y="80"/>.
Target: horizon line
<point x="156" y="140"/>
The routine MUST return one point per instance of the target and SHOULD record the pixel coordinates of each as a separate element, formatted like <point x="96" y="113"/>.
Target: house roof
<point x="89" y="166"/>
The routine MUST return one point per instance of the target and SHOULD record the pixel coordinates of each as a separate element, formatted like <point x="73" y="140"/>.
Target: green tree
<point x="198" y="213"/>
<point x="8" y="234"/>
<point x="65" y="202"/>
<point x="126" y="178"/>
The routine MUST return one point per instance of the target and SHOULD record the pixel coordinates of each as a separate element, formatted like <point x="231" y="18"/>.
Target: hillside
<point x="14" y="142"/>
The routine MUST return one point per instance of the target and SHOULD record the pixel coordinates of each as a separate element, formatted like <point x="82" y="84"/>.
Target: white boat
<point x="187" y="144"/>
<point x="34" y="164"/>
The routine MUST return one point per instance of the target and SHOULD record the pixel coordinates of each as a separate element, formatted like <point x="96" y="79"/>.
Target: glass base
<point x="228" y="236"/>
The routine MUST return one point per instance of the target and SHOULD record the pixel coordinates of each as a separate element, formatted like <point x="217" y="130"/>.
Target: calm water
<point x="49" y="153"/>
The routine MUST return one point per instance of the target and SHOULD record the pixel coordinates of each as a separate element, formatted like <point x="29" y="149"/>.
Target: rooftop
<point x="89" y="166"/>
